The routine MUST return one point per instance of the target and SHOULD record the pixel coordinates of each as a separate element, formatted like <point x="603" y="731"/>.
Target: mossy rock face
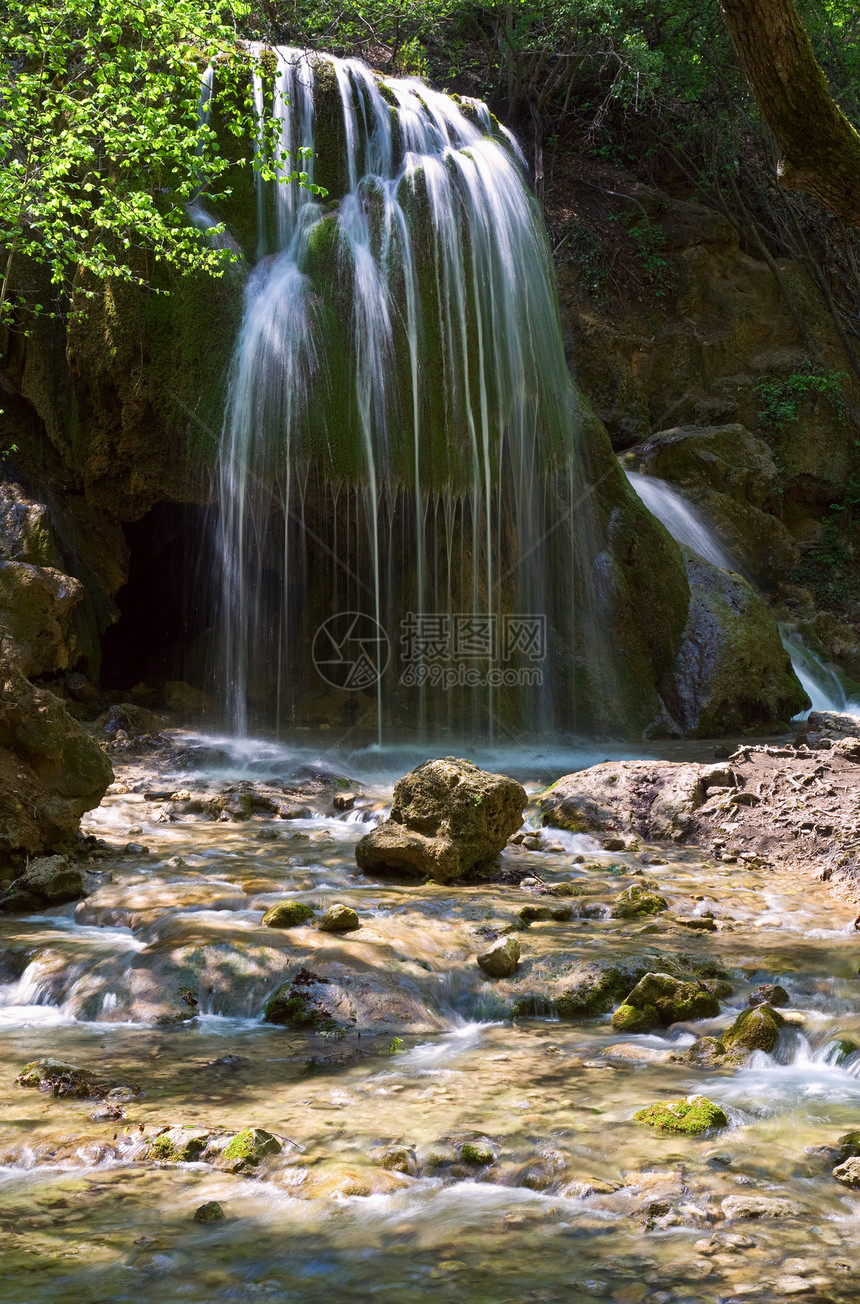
<point x="755" y="1029"/>
<point x="210" y="1212"/>
<point x="627" y="1018"/>
<point x="693" y="1115"/>
<point x="707" y="1052"/>
<point x="339" y="919"/>
<point x="248" y="1149"/>
<point x="661" y="1000"/>
<point x="594" y="991"/>
<point x="479" y="1153"/>
<point x="299" y="1004"/>
<point x="178" y="1146"/>
<point x="638" y="901"/>
<point x="287" y="914"/>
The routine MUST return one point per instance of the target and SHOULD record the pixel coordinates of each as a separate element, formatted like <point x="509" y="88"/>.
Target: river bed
<point x="370" y="1196"/>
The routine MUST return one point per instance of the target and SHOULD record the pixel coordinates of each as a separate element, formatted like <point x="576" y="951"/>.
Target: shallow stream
<point x="579" y="1202"/>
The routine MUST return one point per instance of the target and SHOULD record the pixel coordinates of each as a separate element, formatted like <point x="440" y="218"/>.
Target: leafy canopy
<point x="103" y="142"/>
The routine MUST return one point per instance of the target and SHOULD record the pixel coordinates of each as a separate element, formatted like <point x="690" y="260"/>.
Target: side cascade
<point x="404" y="533"/>
<point x="687" y="525"/>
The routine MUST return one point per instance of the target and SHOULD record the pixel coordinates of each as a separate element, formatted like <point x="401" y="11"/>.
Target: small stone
<point x="287" y="914"/>
<point x="136" y="849"/>
<point x="344" y="800"/>
<point x="501" y="959"/>
<point x="769" y="994"/>
<point x="339" y="919"/>
<point x="759" y="1206"/>
<point x="701" y="923"/>
<point x="613" y="844"/>
<point x="638" y="900"/>
<point x="210" y="1212"/>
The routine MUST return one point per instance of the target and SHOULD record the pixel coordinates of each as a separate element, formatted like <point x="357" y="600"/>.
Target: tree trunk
<point x="820" y="148"/>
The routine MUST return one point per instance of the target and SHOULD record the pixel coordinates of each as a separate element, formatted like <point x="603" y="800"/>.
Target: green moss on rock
<point x="755" y="1029"/>
<point x="287" y="914"/>
<point x="479" y="1153"/>
<point x="248" y="1148"/>
<point x="638" y="901"/>
<point x="661" y="1000"/>
<point x="691" y="1116"/>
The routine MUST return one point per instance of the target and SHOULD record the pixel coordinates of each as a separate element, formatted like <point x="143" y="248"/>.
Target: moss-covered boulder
<point x="210" y="1212"/>
<point x="300" y="1003"/>
<point x="705" y="1053"/>
<point x="247" y="1150"/>
<point x="287" y="914"/>
<point x="447" y="818"/>
<point x="755" y="1029"/>
<point x="659" y="1000"/>
<point x="339" y="919"/>
<point x="692" y="1115"/>
<point x="637" y="901"/>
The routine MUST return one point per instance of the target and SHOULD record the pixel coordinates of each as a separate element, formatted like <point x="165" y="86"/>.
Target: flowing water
<point x="822" y="682"/>
<point x="579" y="1202"/>
<point x="399" y="465"/>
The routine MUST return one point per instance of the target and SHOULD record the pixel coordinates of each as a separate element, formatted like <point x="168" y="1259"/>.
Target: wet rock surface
<point x="447" y="819"/>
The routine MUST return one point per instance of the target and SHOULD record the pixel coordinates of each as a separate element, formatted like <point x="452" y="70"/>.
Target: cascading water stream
<point x="398" y="446"/>
<point x="689" y="527"/>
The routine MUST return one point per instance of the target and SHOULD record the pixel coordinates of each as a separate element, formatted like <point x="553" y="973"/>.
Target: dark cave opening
<point x="163" y="631"/>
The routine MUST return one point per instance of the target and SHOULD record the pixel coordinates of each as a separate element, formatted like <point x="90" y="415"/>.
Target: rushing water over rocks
<point x="457" y="1138"/>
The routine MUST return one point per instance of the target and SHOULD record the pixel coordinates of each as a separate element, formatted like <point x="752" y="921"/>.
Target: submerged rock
<point x="210" y="1212"/>
<point x="287" y="914"/>
<point x="693" y="1115"/>
<point x="769" y="994"/>
<point x="62" y="1079"/>
<point x="448" y="818"/>
<point x="501" y="959"/>
<point x="339" y="919"/>
<point x="759" y="1206"/>
<point x="658" y="1000"/>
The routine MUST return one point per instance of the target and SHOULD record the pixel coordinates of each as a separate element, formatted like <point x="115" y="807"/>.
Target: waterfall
<point x="398" y="469"/>
<point x="689" y="527"/>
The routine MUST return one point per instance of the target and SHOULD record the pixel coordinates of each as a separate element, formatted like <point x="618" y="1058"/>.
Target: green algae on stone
<point x="248" y="1148"/>
<point x="691" y="1116"/>
<point x="755" y="1029"/>
<point x="479" y="1153"/>
<point x="287" y="914"/>
<point x="178" y="1145"/>
<point x="298" y="1004"/>
<point x="660" y="1000"/>
<point x="339" y="919"/>
<point x="636" y="901"/>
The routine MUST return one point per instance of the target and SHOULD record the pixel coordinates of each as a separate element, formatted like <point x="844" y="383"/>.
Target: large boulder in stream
<point x="448" y="818"/>
<point x="51" y="771"/>
<point x="659" y="1000"/>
